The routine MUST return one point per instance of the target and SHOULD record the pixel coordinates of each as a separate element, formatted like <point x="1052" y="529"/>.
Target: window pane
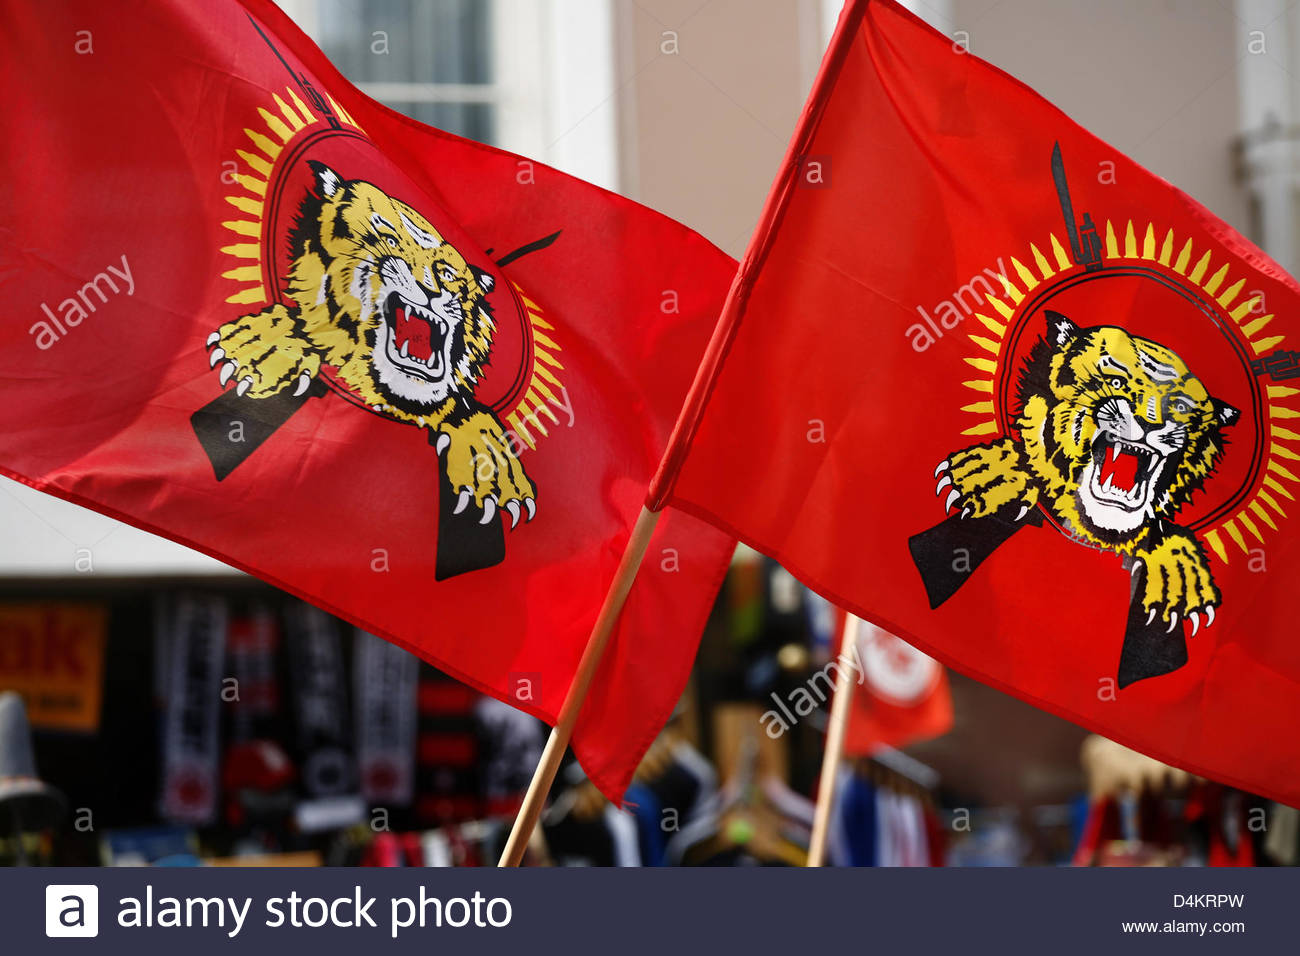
<point x="407" y="41"/>
<point x="414" y="41"/>
<point x="471" y="120"/>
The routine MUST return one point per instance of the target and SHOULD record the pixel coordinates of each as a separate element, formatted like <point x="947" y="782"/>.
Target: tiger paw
<point x="985" y="480"/>
<point x="263" y="354"/>
<point x="1178" y="583"/>
<point x="482" y="466"/>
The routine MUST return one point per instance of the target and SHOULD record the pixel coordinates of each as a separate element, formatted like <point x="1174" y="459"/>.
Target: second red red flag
<point x="1059" y="408"/>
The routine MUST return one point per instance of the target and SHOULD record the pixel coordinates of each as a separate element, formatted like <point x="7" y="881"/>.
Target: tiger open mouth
<point x="417" y="339"/>
<point x="1123" y="472"/>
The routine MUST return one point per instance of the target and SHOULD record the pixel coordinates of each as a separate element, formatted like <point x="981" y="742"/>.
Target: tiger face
<point x="1117" y="429"/>
<point x="396" y="309"/>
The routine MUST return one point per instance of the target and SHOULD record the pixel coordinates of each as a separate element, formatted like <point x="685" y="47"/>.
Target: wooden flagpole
<point x="680" y="440"/>
<point x="556" y="744"/>
<point x="834" y="741"/>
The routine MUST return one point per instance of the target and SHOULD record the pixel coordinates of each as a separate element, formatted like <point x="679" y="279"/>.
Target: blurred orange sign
<point x="53" y="655"/>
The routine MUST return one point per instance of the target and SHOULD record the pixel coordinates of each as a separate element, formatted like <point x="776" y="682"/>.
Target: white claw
<point x="244" y="384"/>
<point x="944" y="482"/>
<point x="304" y="380"/>
<point x="965" y="513"/>
<point x="953" y="497"/>
<point x="1209" y="614"/>
<point x="227" y="370"/>
<point x="461" y="502"/>
<point x="513" y="507"/>
<point x="531" y="505"/>
<point x="1137" y="566"/>
<point x="489" y="510"/>
<point x="1195" y="618"/>
<point x="216" y="357"/>
<point x="942" y="467"/>
<point x="1151" y="617"/>
<point x="213" y="339"/>
<point x="1024" y="510"/>
<point x="443" y="441"/>
<point x="1173" y="623"/>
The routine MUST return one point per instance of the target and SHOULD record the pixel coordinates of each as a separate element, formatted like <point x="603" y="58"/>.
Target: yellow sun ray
<point x="1130" y="242"/>
<point x="1149" y="242"/>
<point x="1250" y="526"/>
<point x="308" y="116"/>
<point x="1216" y="280"/>
<point x="1246" y="308"/>
<point x="251" y="295"/>
<point x="245" y="227"/>
<point x="1230" y="295"/>
<point x="1001" y="307"/>
<point x="1184" y="257"/>
<point x="1027" y="277"/>
<point x="1250" y="329"/>
<point x="980" y="385"/>
<point x="1263" y="514"/>
<point x="983" y="428"/>
<point x="1283" y="452"/>
<point x="987" y="345"/>
<point x="248" y="274"/>
<point x="1062" y="260"/>
<point x="258" y="164"/>
<point x="1215" y="542"/>
<point x="267" y="146"/>
<point x="1112" y="247"/>
<point x="983" y="364"/>
<point x="1270" y="500"/>
<point x="1278" y="487"/>
<point x="1040" y="260"/>
<point x="244" y="204"/>
<point x="1167" y="249"/>
<point x="1263" y="345"/>
<point x="1235" y="533"/>
<point x="1198" y="270"/>
<point x="275" y="124"/>
<point x="1011" y="291"/>
<point x="997" y="328"/>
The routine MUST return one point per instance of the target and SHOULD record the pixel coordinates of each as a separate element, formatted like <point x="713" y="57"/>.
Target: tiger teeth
<point x="406" y="348"/>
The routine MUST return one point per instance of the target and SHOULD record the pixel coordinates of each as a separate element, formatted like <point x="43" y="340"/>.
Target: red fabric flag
<point x="902" y="695"/>
<point x="1095" y="376"/>
<point x="252" y="310"/>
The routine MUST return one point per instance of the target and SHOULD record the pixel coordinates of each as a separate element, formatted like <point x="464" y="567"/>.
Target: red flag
<point x="902" y="695"/>
<point x="252" y="310"/>
<point x="1096" y="376"/>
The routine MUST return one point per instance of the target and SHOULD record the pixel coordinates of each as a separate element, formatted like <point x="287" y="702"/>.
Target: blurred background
<point x="686" y="106"/>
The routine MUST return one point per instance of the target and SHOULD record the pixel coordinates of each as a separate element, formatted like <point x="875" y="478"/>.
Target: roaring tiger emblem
<point x="379" y="296"/>
<point x="1115" y="435"/>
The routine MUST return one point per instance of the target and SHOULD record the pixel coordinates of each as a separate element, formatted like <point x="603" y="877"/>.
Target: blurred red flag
<point x="417" y="381"/>
<point x="1055" y="396"/>
<point x="902" y="695"/>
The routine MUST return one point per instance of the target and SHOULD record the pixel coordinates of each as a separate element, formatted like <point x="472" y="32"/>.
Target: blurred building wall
<point x="710" y="90"/>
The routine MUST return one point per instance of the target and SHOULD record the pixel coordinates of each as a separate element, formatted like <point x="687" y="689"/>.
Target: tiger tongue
<point x="1120" y="467"/>
<point x="412" y="335"/>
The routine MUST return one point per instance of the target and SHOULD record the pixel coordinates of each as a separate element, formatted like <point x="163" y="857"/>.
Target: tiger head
<point x="1117" y="428"/>
<point x="396" y="309"/>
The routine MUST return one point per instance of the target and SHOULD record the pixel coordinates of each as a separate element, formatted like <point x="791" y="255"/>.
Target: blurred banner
<point x="53" y="655"/>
